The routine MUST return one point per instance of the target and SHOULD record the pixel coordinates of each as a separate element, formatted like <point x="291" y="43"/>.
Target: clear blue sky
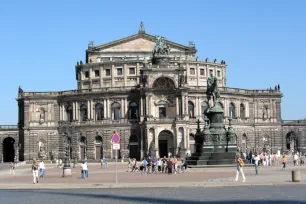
<point x="263" y="42"/>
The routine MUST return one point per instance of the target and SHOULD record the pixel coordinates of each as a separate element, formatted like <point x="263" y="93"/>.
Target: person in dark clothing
<point x="169" y="166"/>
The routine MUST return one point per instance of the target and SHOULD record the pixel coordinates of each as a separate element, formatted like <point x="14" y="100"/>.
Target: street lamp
<point x="67" y="167"/>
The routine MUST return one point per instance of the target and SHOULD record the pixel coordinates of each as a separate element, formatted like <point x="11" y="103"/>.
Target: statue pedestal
<point x="67" y="172"/>
<point x="153" y="153"/>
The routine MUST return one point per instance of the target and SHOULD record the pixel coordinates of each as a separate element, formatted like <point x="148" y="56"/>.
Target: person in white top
<point x="159" y="165"/>
<point x="84" y="170"/>
<point x="42" y="169"/>
<point x="295" y="159"/>
<point x="256" y="159"/>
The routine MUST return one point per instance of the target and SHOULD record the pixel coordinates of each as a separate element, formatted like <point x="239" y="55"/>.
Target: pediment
<point x="139" y="43"/>
<point x="136" y="45"/>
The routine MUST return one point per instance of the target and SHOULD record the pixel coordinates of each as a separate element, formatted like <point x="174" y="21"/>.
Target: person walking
<point x="295" y="159"/>
<point x="240" y="164"/>
<point x="12" y="168"/>
<point x="41" y="169"/>
<point x="34" y="169"/>
<point x="105" y="161"/>
<point x="256" y="159"/>
<point x="284" y="160"/>
<point x="84" y="170"/>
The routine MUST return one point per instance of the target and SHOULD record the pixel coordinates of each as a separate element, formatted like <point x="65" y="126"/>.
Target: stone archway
<point x="165" y="143"/>
<point x="292" y="142"/>
<point x="8" y="149"/>
<point x="134" y="147"/>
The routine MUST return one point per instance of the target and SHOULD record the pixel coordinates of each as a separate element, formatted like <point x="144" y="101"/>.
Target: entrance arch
<point x="165" y="143"/>
<point x="134" y="147"/>
<point x="8" y="149"/>
<point x="292" y="141"/>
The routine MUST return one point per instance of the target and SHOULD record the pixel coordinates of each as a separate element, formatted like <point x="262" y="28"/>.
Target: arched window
<point x="164" y="83"/>
<point x="116" y="111"/>
<point x="69" y="113"/>
<point x="99" y="111"/>
<point x="204" y="107"/>
<point x="242" y="111"/>
<point x="190" y="109"/>
<point x="83" y="140"/>
<point x="133" y="111"/>
<point x="232" y="111"/>
<point x="98" y="139"/>
<point x="42" y="115"/>
<point x="83" y="112"/>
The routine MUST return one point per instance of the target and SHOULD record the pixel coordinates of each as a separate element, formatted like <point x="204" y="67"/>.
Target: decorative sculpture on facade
<point x="212" y="90"/>
<point x="161" y="48"/>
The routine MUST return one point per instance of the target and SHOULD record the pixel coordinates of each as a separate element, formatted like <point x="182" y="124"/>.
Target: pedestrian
<point x="105" y="163"/>
<point x="284" y="160"/>
<point x="12" y="168"/>
<point x="56" y="162"/>
<point x="169" y="166"/>
<point x="101" y="161"/>
<point x="240" y="164"/>
<point x="41" y="169"/>
<point x="84" y="170"/>
<point x="129" y="167"/>
<point x="256" y="159"/>
<point x="34" y="169"/>
<point x="295" y="159"/>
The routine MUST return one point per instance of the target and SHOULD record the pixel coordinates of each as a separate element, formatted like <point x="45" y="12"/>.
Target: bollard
<point x="296" y="175"/>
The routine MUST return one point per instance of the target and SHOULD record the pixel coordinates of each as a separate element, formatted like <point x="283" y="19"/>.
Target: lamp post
<point x="67" y="167"/>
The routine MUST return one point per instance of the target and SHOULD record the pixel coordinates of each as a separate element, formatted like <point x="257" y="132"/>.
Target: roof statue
<point x="213" y="94"/>
<point x="191" y="44"/>
<point x="20" y="91"/>
<point x="141" y="28"/>
<point x="161" y="48"/>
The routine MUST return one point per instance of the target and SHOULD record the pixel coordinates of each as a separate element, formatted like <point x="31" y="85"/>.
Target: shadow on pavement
<point x="119" y="198"/>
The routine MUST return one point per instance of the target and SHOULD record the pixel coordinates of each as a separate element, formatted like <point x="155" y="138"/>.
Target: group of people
<point x="158" y="165"/>
<point x="38" y="167"/>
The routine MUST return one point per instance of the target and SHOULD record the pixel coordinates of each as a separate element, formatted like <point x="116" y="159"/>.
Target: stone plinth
<point x="67" y="172"/>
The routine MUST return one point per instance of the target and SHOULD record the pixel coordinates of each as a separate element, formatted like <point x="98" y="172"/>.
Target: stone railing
<point x="8" y="127"/>
<point x="237" y="90"/>
<point x="294" y="122"/>
<point x="98" y="122"/>
<point x="127" y="89"/>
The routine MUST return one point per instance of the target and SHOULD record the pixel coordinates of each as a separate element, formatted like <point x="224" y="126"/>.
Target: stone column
<point x="74" y="110"/>
<point x="101" y="78"/>
<point x="183" y="105"/>
<point x="177" y="107"/>
<point x="141" y="107"/>
<point x="147" y="105"/>
<point x="64" y="112"/>
<point x="198" y="115"/>
<point x="125" y="108"/>
<point x="186" y="139"/>
<point x="141" y="143"/>
<point x="92" y="114"/>
<point x="122" y="108"/>
<point x="137" y="73"/>
<point x="88" y="110"/>
<point x="225" y="107"/>
<point x="108" y="110"/>
<point x="104" y="109"/>
<point x="113" y="76"/>
<point x="77" y="111"/>
<point x="60" y="112"/>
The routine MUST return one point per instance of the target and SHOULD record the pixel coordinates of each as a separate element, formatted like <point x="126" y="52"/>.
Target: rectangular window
<point x="87" y="74"/>
<point x="119" y="71"/>
<point x="218" y="73"/>
<point x="107" y="72"/>
<point x="202" y="71"/>
<point x="211" y="72"/>
<point x="132" y="71"/>
<point x="97" y="73"/>
<point x="192" y="71"/>
<point x="162" y="112"/>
